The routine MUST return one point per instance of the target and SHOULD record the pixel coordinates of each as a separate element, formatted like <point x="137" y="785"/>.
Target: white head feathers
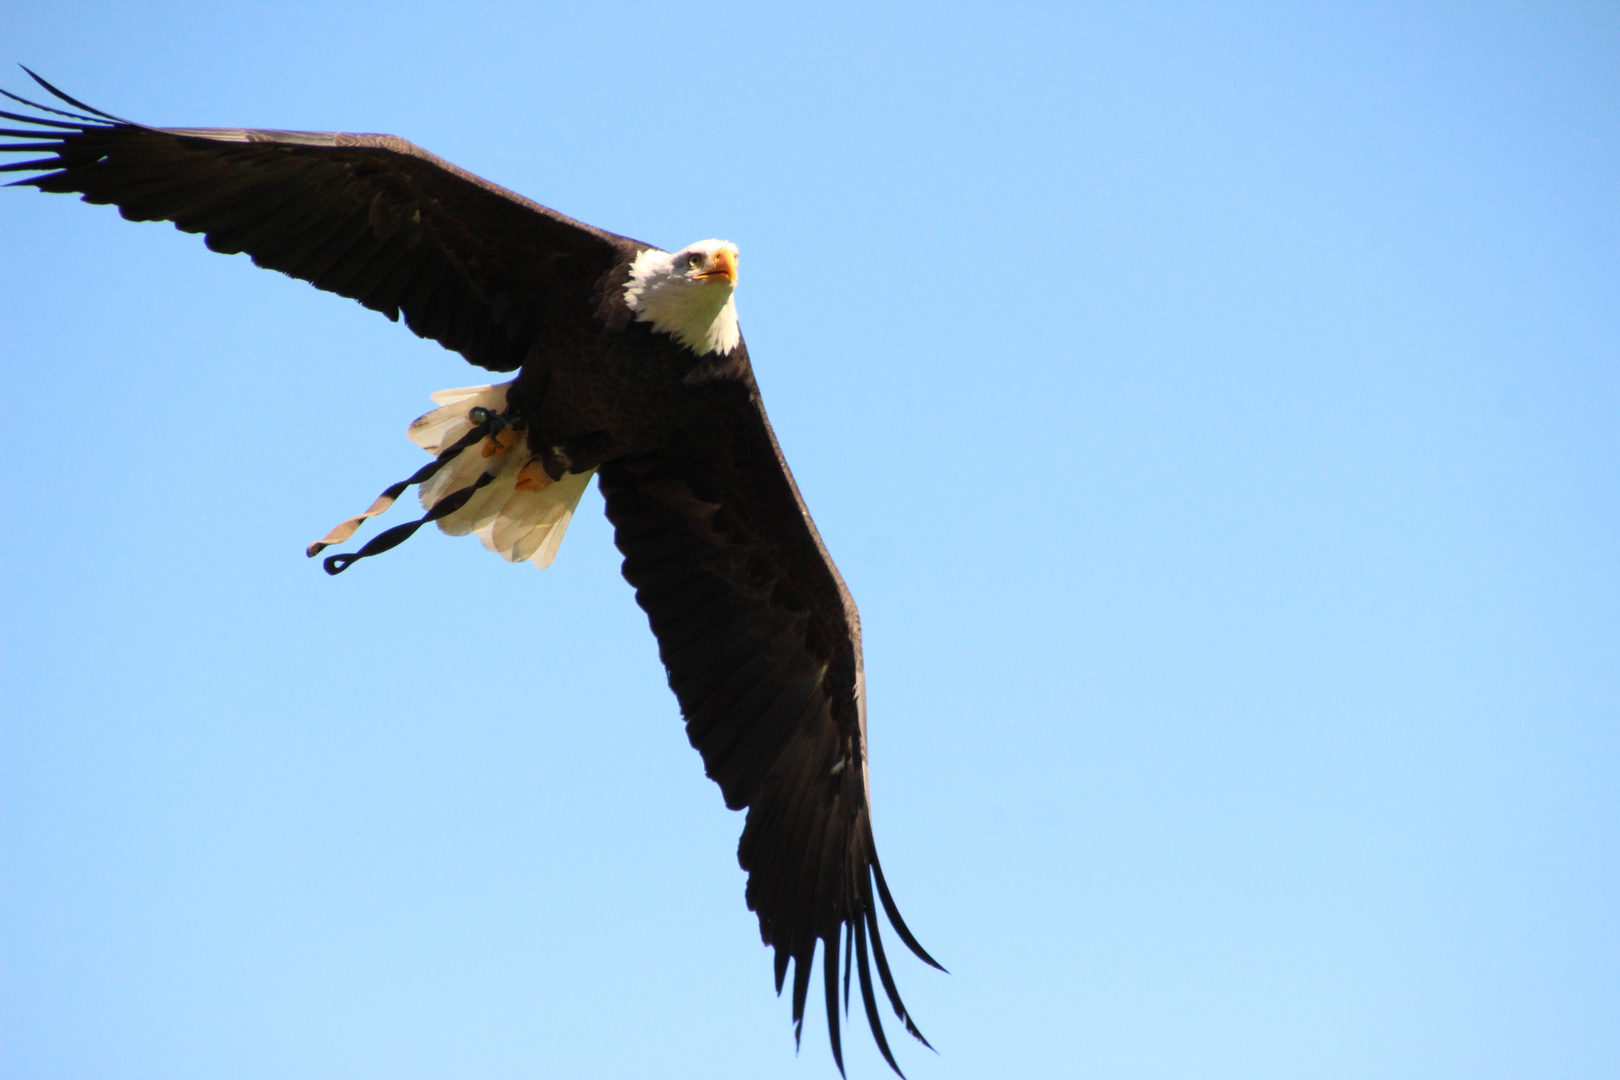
<point x="688" y="294"/>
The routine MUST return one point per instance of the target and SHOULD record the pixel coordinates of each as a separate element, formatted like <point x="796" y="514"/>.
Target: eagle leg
<point x="581" y="454"/>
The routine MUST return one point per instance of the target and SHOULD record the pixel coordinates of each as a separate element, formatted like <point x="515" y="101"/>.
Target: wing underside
<point x="762" y="646"/>
<point x="479" y="269"/>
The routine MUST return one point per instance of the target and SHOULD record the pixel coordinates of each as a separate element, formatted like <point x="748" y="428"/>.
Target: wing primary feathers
<point x="802" y="960"/>
<point x="894" y="913"/>
<point x="82" y="120"/>
<point x="36" y="181"/>
<point x="869" y="999"/>
<point x="781" y="965"/>
<point x="75" y="102"/>
<point x="849" y="946"/>
<point x="812" y="867"/>
<point x="829" y="972"/>
<point x="884" y="974"/>
<point x="81" y="126"/>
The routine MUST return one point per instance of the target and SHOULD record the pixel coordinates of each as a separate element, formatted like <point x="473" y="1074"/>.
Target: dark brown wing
<point x="479" y="269"/>
<point x="763" y="648"/>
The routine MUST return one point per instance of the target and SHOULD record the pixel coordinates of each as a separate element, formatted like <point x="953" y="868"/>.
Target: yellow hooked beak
<point x="722" y="268"/>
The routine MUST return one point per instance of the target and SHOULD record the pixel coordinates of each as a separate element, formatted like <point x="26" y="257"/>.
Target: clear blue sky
<point x="1213" y="409"/>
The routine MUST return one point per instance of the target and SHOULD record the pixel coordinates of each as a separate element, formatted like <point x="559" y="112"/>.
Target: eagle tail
<point x="520" y="513"/>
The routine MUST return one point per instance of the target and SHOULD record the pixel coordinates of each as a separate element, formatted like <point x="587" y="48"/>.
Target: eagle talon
<point x="500" y="442"/>
<point x="532" y="477"/>
<point x="503" y="429"/>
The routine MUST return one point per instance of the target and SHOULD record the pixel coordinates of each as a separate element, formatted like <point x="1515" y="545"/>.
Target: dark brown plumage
<point x="760" y="638"/>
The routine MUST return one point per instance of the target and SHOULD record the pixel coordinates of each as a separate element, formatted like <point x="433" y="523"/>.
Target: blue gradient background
<point x="1212" y="407"/>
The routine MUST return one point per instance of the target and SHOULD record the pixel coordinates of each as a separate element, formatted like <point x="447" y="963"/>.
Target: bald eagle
<point x="630" y="366"/>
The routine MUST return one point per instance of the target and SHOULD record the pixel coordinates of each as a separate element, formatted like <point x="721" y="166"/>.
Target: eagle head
<point x="687" y="295"/>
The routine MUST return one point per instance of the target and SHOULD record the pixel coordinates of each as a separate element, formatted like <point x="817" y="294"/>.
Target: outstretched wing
<point x="762" y="644"/>
<point x="477" y="268"/>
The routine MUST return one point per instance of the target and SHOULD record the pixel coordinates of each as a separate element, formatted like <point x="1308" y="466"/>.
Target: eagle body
<point x="625" y="390"/>
<point x="630" y="366"/>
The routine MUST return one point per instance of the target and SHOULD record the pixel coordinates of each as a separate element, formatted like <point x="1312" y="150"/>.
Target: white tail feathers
<point x="520" y="514"/>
